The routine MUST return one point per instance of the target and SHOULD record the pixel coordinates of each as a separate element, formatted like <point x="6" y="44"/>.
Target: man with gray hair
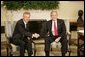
<point x="22" y="36"/>
<point x="54" y="31"/>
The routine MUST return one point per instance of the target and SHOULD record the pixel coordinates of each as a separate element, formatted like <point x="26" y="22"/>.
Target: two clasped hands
<point x="35" y="35"/>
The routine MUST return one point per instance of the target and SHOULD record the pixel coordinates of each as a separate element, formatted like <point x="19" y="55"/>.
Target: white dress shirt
<point x="24" y="23"/>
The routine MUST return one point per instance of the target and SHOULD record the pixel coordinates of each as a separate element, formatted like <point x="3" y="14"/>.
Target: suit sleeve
<point x="63" y="32"/>
<point x="43" y="32"/>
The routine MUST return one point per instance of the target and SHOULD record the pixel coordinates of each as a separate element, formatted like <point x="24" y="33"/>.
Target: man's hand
<point x="56" y="44"/>
<point x="28" y="38"/>
<point x="53" y="44"/>
<point x="56" y="40"/>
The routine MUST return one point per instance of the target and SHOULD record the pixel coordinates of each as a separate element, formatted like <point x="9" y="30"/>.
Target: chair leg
<point x="51" y="49"/>
<point x="7" y="51"/>
<point x="11" y="52"/>
<point x="34" y="52"/>
<point x="69" y="53"/>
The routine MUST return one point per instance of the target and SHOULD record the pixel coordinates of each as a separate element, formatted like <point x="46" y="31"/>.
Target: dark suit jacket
<point x="47" y="27"/>
<point x="20" y="31"/>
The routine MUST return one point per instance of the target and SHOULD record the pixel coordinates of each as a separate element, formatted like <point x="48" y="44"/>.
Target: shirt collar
<point x="24" y="22"/>
<point x="54" y="20"/>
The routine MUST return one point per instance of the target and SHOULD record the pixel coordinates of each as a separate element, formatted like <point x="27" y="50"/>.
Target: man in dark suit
<point x="53" y="30"/>
<point x="22" y="36"/>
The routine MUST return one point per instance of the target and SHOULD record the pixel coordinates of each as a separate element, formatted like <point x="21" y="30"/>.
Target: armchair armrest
<point x="7" y="38"/>
<point x="68" y="33"/>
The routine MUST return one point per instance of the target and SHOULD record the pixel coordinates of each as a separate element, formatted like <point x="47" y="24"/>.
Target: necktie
<point x="55" y="29"/>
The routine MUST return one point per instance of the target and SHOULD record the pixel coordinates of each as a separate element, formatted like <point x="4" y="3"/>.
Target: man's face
<point x="54" y="15"/>
<point x="26" y="17"/>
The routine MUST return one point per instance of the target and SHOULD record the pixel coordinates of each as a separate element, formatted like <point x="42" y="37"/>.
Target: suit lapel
<point x="50" y="25"/>
<point x="22" y="23"/>
<point x="58" y="25"/>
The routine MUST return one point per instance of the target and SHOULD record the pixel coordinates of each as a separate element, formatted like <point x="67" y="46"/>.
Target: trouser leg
<point x="64" y="47"/>
<point x="22" y="48"/>
<point x="29" y="47"/>
<point x="47" y="45"/>
<point x="21" y="44"/>
<point x="17" y="40"/>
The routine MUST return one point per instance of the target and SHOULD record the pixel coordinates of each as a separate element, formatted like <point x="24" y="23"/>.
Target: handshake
<point x="35" y="35"/>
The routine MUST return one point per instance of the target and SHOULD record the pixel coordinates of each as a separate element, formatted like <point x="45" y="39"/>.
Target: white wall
<point x="67" y="10"/>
